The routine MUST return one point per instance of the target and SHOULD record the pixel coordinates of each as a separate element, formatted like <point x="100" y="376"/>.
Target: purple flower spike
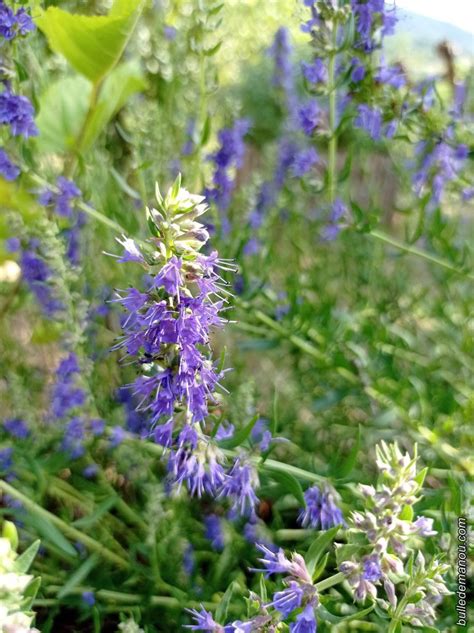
<point x="321" y="511"/>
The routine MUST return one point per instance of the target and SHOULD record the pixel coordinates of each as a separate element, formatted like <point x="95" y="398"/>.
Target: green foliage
<point x="92" y="45"/>
<point x="64" y="108"/>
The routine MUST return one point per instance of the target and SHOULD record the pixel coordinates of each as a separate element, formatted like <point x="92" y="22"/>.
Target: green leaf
<point x="318" y="547"/>
<point x="327" y="616"/>
<point x="64" y="107"/>
<point x="79" y="575"/>
<point x="420" y="477"/>
<point x="407" y="513"/>
<point x="123" y="184"/>
<point x="92" y="45"/>
<point x="321" y="567"/>
<point x="102" y="508"/>
<point x="222" y="609"/>
<point x="120" y="85"/>
<point x="289" y="483"/>
<point x="31" y="590"/>
<point x="52" y="535"/>
<point x="239" y="438"/>
<point x="23" y="562"/>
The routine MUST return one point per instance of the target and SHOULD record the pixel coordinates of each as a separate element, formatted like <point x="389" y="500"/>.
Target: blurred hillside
<point x="416" y="40"/>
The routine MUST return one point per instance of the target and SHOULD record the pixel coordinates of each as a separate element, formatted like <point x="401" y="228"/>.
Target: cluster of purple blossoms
<point x="37" y="274"/>
<point x="8" y="170"/>
<point x="386" y="526"/>
<point x="67" y="400"/>
<point x="316" y="72"/>
<point x="336" y="220"/>
<point x="62" y="201"/>
<point x="321" y="511"/>
<point x="227" y="159"/>
<point x="283" y="77"/>
<point x="17" y="428"/>
<point x="371" y="17"/>
<point x="309" y="116"/>
<point x="17" y="112"/>
<point x="439" y="165"/>
<point x="358" y="70"/>
<point x="166" y="332"/>
<point x="391" y="75"/>
<point x="297" y="601"/>
<point x="13" y="24"/>
<point x="370" y="120"/>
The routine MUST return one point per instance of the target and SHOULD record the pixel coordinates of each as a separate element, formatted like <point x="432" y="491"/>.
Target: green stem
<point x="133" y="598"/>
<point x="97" y="215"/>
<point x="413" y="250"/>
<point x="273" y="464"/>
<point x="71" y="161"/>
<point x="297" y="341"/>
<point x="330" y="582"/>
<point x="332" y="149"/>
<point x="67" y="529"/>
<point x="292" y="534"/>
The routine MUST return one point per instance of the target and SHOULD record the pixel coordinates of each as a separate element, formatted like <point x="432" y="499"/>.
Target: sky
<point x="458" y="12"/>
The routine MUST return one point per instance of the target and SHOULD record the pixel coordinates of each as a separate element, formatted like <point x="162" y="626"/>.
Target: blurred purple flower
<point x="321" y="511"/>
<point x="8" y="170"/>
<point x="303" y="161"/>
<point x="370" y="120"/>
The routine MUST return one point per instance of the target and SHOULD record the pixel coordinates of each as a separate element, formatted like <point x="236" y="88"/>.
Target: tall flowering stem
<point x="166" y="334"/>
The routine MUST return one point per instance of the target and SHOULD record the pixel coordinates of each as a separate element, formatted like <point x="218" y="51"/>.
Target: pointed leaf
<point x="222" y="609"/>
<point x="289" y="483"/>
<point x="239" y="438"/>
<point x="23" y="562"/>
<point x="79" y="575"/>
<point x="92" y="44"/>
<point x="327" y="616"/>
<point x="318" y="548"/>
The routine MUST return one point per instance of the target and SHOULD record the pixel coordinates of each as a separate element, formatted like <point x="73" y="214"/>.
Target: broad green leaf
<point x="79" y="575"/>
<point x="318" y="548"/>
<point x="120" y="85"/>
<point x="92" y="45"/>
<point x="23" y="562"/>
<point x="64" y="107"/>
